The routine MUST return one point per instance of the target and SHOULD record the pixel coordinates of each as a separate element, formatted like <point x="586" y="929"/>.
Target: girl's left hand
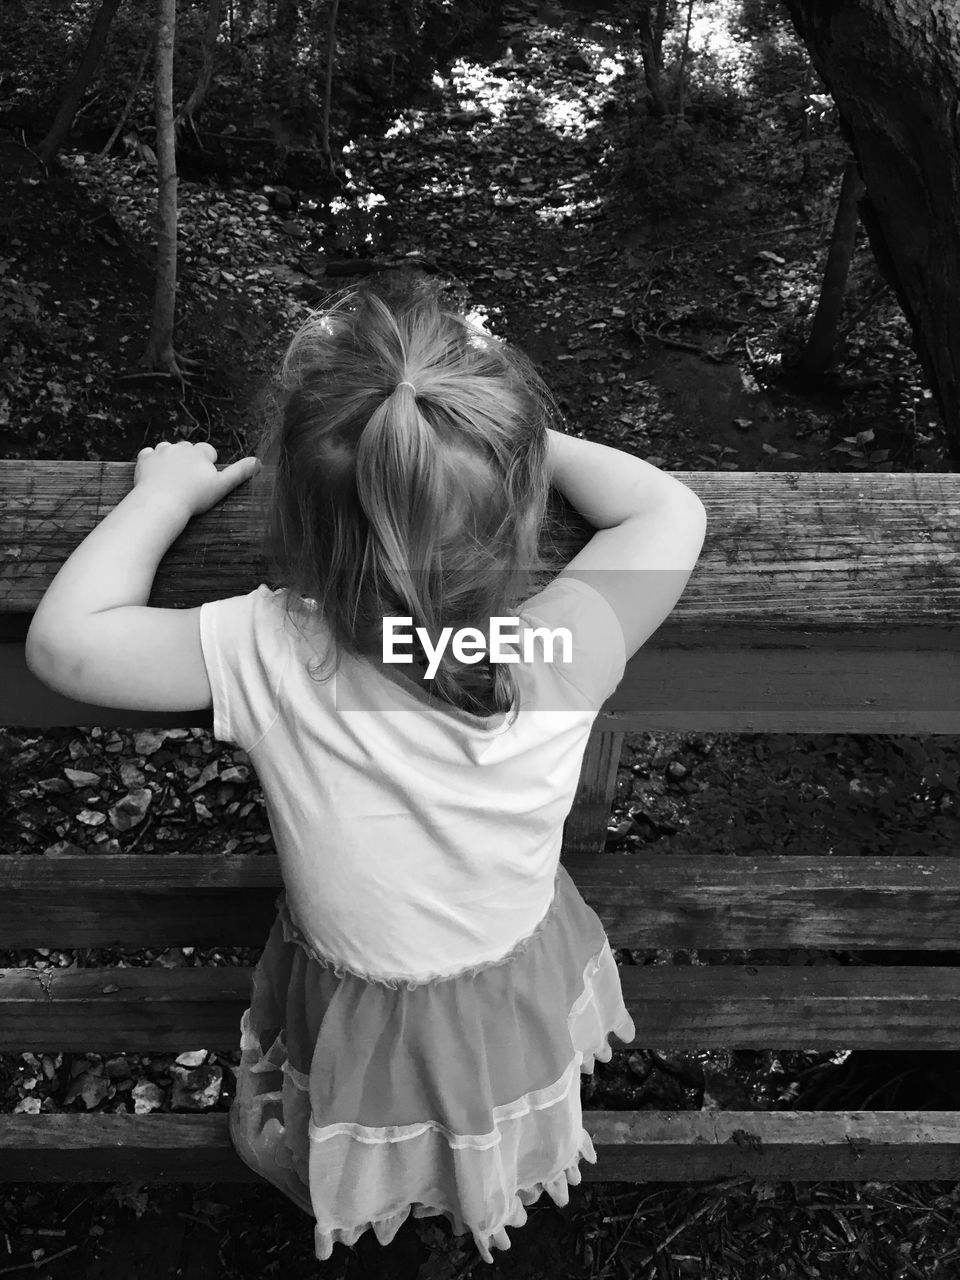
<point x="186" y="473"/>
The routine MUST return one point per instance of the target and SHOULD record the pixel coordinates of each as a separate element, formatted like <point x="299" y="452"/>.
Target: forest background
<point x="656" y="202"/>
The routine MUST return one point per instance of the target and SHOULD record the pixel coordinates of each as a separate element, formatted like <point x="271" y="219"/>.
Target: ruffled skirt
<point x="365" y="1101"/>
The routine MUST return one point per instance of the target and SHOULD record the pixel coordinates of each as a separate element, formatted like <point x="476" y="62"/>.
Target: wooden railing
<point x="821" y="603"/>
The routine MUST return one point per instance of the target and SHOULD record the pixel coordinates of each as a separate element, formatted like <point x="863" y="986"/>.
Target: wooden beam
<point x="824" y="1007"/>
<point x="697" y="1146"/>
<point x="112" y="1148"/>
<point x="788" y="554"/>
<point x="645" y="1146"/>
<point x="585" y="830"/>
<point x="821" y="603"/>
<point x="899" y="688"/>
<point x="644" y="900"/>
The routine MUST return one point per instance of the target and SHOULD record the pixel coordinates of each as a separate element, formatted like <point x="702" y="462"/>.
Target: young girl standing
<point x="434" y="985"/>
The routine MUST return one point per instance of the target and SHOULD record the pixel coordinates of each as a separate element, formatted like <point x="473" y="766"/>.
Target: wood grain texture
<point x="690" y="1007"/>
<point x="787" y="554"/>
<point x="643" y="900"/>
<point x="645" y="1146"/>
<point x="821" y="603"/>
<point x="585" y="830"/>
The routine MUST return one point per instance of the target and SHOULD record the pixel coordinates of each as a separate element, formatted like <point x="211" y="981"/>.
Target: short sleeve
<point x="242" y="642"/>
<point x="598" y="658"/>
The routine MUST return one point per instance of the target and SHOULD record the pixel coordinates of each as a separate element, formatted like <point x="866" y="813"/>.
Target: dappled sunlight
<point x="715" y="48"/>
<point x="408" y="122"/>
<point x="476" y="88"/>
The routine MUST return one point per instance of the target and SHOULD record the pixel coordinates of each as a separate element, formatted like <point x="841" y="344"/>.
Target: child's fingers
<point x="238" y="472"/>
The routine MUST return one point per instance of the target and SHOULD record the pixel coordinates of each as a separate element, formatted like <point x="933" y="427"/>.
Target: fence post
<point x="586" y="827"/>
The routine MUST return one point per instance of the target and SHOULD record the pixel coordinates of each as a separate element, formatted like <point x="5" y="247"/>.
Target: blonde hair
<point x="410" y="454"/>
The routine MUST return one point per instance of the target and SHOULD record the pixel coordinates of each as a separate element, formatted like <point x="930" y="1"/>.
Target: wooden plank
<point x="585" y="830"/>
<point x="821" y="603"/>
<point x="75" y="1010"/>
<point x="644" y="900"/>
<point x="898" y="685"/>
<point x="92" y="1148"/>
<point x="644" y="1146"/>
<point x="681" y="1007"/>
<point x="787" y="553"/>
<point x="696" y="1146"/>
<point x="745" y="689"/>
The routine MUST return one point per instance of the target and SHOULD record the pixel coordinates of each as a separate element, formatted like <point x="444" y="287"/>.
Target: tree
<point x="650" y="32"/>
<point x="893" y="67"/>
<point x="328" y="85"/>
<point x="818" y="353"/>
<point x="131" y="97"/>
<point x="208" y="51"/>
<point x="79" y="81"/>
<point x="159" y="353"/>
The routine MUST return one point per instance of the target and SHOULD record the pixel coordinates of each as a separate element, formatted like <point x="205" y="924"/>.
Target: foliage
<point x="385" y="50"/>
<point x="19" y="301"/>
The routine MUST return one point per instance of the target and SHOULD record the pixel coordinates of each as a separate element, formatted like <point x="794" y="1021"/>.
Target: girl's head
<point x="423" y="500"/>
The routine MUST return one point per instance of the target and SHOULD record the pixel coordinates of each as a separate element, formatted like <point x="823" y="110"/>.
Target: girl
<point x="433" y="985"/>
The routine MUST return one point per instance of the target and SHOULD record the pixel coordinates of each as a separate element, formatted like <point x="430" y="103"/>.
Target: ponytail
<point x="411" y="479"/>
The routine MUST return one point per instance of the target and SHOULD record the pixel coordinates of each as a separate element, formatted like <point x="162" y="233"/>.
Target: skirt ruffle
<point x="366" y="1102"/>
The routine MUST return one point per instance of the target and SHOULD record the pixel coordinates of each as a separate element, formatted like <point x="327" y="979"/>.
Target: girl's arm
<point x="93" y="637"/>
<point x="650" y="531"/>
<point x="607" y="485"/>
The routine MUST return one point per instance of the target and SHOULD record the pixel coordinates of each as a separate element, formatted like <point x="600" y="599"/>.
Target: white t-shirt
<point x="415" y="840"/>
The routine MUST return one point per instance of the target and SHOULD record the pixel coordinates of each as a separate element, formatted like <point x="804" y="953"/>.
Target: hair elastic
<point x="407" y="384"/>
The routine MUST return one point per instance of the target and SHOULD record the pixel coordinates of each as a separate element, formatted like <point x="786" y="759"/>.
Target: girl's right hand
<point x="185" y="474"/>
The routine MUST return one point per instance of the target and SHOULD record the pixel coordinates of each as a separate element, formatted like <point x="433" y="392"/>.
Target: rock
<point x="131" y="775"/>
<point x="91" y="1085"/>
<point x="91" y="818"/>
<point x="54" y="786"/>
<point x="676" y="770"/>
<point x="192" y="1058"/>
<point x="198" y="1089"/>
<point x="148" y="741"/>
<point x="147" y="1097"/>
<point x="131" y="810"/>
<point x="235" y="773"/>
<point x="617" y="830"/>
<point x="209" y="772"/>
<point x="62" y="849"/>
<point x="117" y="1068"/>
<point x="640" y="1066"/>
<point x="81" y="778"/>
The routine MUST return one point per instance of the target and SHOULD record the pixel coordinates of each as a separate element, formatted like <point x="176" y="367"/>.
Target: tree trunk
<point x="684" y="50"/>
<point x="659" y="31"/>
<point x="328" y="88"/>
<point x="81" y="78"/>
<point x="128" y="105"/>
<point x="208" y="52"/>
<point x="651" y="62"/>
<point x="159" y="353"/>
<point x="893" y="67"/>
<point x="818" y="354"/>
